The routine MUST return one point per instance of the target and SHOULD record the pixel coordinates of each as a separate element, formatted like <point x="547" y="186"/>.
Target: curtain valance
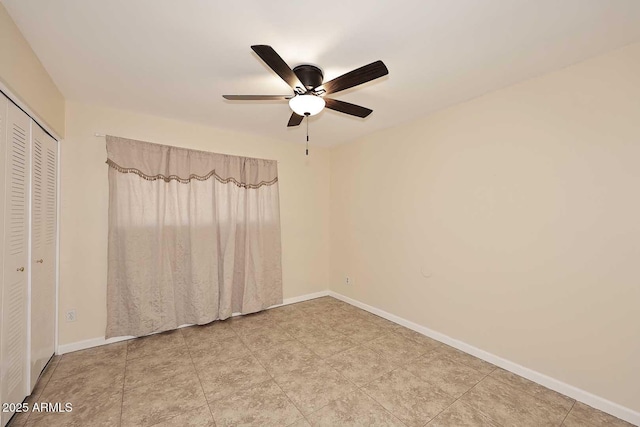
<point x="155" y="161"/>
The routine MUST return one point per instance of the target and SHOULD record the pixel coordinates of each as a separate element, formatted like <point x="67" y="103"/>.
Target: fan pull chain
<point x="307" y="150"/>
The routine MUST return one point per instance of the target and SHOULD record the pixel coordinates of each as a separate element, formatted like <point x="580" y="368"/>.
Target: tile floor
<point x="320" y="362"/>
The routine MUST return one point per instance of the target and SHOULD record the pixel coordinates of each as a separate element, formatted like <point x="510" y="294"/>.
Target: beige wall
<point x="510" y="222"/>
<point x="304" y="201"/>
<point x="23" y="74"/>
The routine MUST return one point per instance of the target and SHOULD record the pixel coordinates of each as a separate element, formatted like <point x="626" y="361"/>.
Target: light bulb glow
<point x="303" y="104"/>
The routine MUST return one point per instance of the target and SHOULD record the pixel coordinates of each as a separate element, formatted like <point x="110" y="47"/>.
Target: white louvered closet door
<point x="43" y="250"/>
<point x="15" y="258"/>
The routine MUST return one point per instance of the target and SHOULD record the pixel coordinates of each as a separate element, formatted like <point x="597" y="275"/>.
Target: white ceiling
<point x="176" y="58"/>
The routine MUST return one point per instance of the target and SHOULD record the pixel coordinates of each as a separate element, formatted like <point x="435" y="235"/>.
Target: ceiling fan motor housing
<point x="309" y="75"/>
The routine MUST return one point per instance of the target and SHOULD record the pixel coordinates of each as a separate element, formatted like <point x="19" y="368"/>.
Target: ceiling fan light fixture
<point x="303" y="104"/>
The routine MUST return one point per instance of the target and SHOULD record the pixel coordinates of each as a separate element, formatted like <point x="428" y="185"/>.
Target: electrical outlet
<point x="71" y="315"/>
<point x="348" y="281"/>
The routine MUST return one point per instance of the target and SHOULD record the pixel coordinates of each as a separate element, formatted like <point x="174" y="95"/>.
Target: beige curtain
<point x="193" y="237"/>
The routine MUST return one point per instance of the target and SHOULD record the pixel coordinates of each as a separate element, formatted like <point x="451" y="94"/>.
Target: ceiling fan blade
<point x="257" y="97"/>
<point x="347" y="108"/>
<point x="356" y="77"/>
<point x="277" y="64"/>
<point x="295" y="120"/>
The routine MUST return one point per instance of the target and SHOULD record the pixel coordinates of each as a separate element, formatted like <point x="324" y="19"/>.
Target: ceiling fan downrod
<point x="307" y="116"/>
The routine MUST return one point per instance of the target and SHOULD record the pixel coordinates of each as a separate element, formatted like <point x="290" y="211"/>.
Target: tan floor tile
<point x="329" y="300"/>
<point x="354" y="409"/>
<point x="262" y="338"/>
<point x="209" y="333"/>
<point x="294" y="306"/>
<point x="101" y="410"/>
<point x="508" y="405"/>
<point x="417" y="337"/>
<point x="162" y="400"/>
<point x="331" y="319"/>
<point x="163" y="377"/>
<point x="396" y="348"/>
<point x="250" y="321"/>
<point x="208" y="352"/>
<point x="367" y="332"/>
<point x="18" y="419"/>
<point x="410" y="399"/>
<point x="228" y="377"/>
<point x="298" y="326"/>
<point x="338" y="320"/>
<point x="278" y="315"/>
<point x="316" y="333"/>
<point x="46" y="375"/>
<point x="317" y="302"/>
<point x="84" y="361"/>
<point x="319" y="309"/>
<point x="453" y="377"/>
<point x="380" y="322"/>
<point x="284" y="313"/>
<point x="252" y="327"/>
<point x="308" y="303"/>
<point x="300" y="423"/>
<point x="262" y="405"/>
<point x="85" y="386"/>
<point x="200" y="417"/>
<point x="328" y="309"/>
<point x="330" y="347"/>
<point x="154" y="344"/>
<point x="286" y="357"/>
<point x="581" y="414"/>
<point x="313" y="387"/>
<point x="94" y="393"/>
<point x="469" y="360"/>
<point x="361" y="364"/>
<point x="335" y="302"/>
<point x="352" y="309"/>
<point x="461" y="415"/>
<point x="573" y="421"/>
<point x="160" y="366"/>
<point x="548" y="396"/>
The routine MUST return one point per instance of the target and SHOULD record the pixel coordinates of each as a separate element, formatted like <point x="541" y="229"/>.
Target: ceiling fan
<point x="309" y="90"/>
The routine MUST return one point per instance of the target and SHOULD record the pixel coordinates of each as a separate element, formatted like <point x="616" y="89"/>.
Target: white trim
<point x="29" y="178"/>
<point x="302" y="298"/>
<point x="57" y="260"/>
<point x="576" y="393"/>
<point x="83" y="345"/>
<point x="95" y="342"/>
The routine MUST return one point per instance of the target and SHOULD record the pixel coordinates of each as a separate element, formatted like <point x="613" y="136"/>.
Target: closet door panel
<point x="15" y="258"/>
<point x="43" y="250"/>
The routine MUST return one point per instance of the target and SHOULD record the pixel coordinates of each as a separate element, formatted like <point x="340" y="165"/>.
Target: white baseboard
<point x="85" y="344"/>
<point x="576" y="393"/>
<point x="301" y="298"/>
<point x="96" y="342"/>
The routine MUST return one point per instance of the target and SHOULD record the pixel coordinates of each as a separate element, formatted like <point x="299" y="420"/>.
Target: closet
<point x="28" y="206"/>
